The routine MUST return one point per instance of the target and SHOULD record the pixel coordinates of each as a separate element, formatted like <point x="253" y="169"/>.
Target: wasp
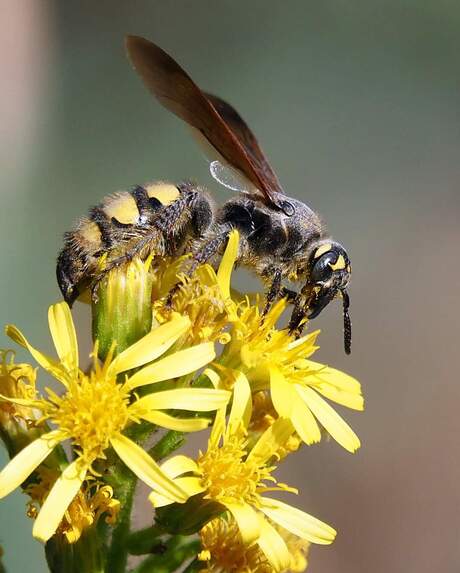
<point x="281" y="238"/>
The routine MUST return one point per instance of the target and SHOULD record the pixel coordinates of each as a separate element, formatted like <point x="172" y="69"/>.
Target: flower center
<point x="227" y="475"/>
<point x="91" y="412"/>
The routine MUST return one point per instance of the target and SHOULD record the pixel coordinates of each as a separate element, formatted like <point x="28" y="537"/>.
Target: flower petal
<point x="63" y="333"/>
<point x="334" y="424"/>
<point x="334" y="377"/>
<point x="50" y="365"/>
<point x="273" y="546"/>
<point x="240" y="413"/>
<point x="298" y="522"/>
<point x="194" y="399"/>
<point x="192" y="485"/>
<point x="58" y="500"/>
<point x="348" y="399"/>
<point x="146" y="469"/>
<point x="305" y="424"/>
<point x="247" y="520"/>
<point x="173" y="423"/>
<point x="174" y="365"/>
<point x="26" y="461"/>
<point x="281" y="393"/>
<point x="178" y="465"/>
<point x="227" y="262"/>
<point x="213" y="377"/>
<point x="151" y="346"/>
<point x="271" y="440"/>
<point x="218" y="429"/>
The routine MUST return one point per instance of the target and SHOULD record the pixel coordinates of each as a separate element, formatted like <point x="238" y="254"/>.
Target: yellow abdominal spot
<point x="166" y="193"/>
<point x="123" y="207"/>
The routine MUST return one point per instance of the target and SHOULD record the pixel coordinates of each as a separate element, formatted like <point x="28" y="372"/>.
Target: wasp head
<point x="328" y="278"/>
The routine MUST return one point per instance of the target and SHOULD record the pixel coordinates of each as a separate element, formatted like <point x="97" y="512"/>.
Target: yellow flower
<point x="16" y="381"/>
<point x="237" y="478"/>
<point x="273" y="359"/>
<point x="263" y="416"/>
<point x="224" y="552"/>
<point x="204" y="298"/>
<point x="91" y="502"/>
<point x="95" y="409"/>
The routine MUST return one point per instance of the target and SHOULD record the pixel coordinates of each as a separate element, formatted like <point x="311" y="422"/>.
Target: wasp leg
<point x="277" y="291"/>
<point x="273" y="293"/>
<point x="201" y="256"/>
<point x="167" y="228"/>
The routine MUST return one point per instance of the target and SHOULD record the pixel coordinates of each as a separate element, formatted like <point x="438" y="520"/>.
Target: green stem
<point x="124" y="482"/>
<point x="144" y="540"/>
<point x="117" y="556"/>
<point x="177" y="550"/>
<point x="84" y="556"/>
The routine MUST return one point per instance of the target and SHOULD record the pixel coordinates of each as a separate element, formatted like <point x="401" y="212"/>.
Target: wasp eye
<point x="322" y="269"/>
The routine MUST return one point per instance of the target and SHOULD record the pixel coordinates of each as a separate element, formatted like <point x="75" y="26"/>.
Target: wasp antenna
<point x="346" y="322"/>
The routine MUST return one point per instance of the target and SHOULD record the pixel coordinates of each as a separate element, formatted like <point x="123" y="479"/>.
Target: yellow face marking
<point x="323" y="249"/>
<point x="166" y="193"/>
<point x="123" y="207"/>
<point x="339" y="265"/>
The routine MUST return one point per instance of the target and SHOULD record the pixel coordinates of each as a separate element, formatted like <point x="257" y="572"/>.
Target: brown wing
<point x="219" y="123"/>
<point x="248" y="141"/>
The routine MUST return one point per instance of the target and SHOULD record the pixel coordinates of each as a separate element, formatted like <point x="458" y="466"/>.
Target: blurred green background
<point x="357" y="105"/>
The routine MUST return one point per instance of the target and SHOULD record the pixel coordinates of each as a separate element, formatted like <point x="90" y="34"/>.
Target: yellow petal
<point x="146" y="469"/>
<point x="213" y="377"/>
<point x="298" y="522"/>
<point x="226" y="265"/>
<point x="58" y="500"/>
<point x="178" y="465"/>
<point x="174" y="365"/>
<point x="172" y="423"/>
<point x="273" y="546"/>
<point x="151" y="346"/>
<point x="334" y="377"/>
<point x="281" y="393"/>
<point x="218" y="429"/>
<point x="240" y="413"/>
<point x="348" y="399"/>
<point x="50" y="365"/>
<point x="334" y="424"/>
<point x="271" y="440"/>
<point x="305" y="424"/>
<point x="63" y="333"/>
<point x="192" y="485"/>
<point x="194" y="399"/>
<point x="21" y="402"/>
<point x="246" y="519"/>
<point x="26" y="461"/>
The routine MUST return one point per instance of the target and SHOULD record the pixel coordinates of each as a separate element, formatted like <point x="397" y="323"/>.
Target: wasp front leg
<point x="276" y="290"/>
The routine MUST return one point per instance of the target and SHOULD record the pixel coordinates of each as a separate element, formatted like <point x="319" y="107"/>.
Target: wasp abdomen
<point x="124" y="223"/>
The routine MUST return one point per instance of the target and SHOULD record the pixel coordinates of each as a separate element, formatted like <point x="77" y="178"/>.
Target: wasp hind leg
<point x="205" y="253"/>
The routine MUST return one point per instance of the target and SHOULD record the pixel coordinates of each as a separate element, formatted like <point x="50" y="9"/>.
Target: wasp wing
<point x="217" y="121"/>
<point x="248" y="141"/>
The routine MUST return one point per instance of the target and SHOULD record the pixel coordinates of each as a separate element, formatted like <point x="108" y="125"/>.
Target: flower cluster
<point x="210" y="357"/>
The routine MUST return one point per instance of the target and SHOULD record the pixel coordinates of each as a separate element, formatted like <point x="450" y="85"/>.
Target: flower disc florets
<point x="91" y="412"/>
<point x="227" y="475"/>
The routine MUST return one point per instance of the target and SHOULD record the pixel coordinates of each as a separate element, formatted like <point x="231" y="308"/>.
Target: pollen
<point x="91" y="412"/>
<point x="226" y="474"/>
<point x="223" y="550"/>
